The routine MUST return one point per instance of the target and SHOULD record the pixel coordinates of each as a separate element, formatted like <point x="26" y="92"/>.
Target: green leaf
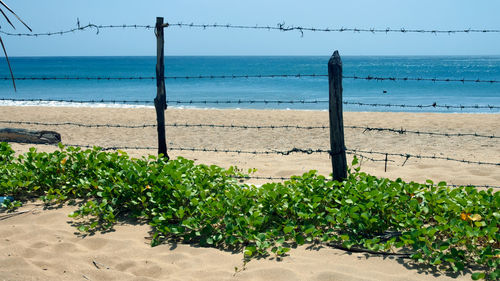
<point x="444" y="246"/>
<point x="309" y="230"/>
<point x="83" y="228"/>
<point x="365" y="216"/>
<point x="288" y="229"/>
<point x="250" y="250"/>
<point x="299" y="239"/>
<point x="478" y="275"/>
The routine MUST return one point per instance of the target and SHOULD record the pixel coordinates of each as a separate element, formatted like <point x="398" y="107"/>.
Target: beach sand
<point x="43" y="244"/>
<point x="468" y="148"/>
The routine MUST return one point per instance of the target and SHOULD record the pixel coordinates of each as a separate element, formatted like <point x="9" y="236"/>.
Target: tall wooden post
<point x="161" y="97"/>
<point x="337" y="144"/>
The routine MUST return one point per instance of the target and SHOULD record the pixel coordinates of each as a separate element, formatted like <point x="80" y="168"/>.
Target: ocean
<point x="310" y="89"/>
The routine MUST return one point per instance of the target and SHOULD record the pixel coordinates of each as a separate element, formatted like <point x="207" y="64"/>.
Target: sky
<point x="56" y="15"/>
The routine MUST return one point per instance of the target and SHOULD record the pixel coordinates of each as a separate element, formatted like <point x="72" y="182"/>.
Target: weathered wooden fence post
<point x="337" y="144"/>
<point x="161" y="97"/>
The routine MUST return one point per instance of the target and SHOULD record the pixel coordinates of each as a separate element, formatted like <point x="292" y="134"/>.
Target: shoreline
<point x="284" y="139"/>
<point x="134" y="106"/>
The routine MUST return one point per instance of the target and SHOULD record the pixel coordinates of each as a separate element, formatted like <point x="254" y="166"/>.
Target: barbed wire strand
<point x="249" y="177"/>
<point x="171" y="101"/>
<point x="309" y="151"/>
<point x="294" y="150"/>
<point x="247" y="76"/>
<point x="283" y="27"/>
<point x="79" y="101"/>
<point x="420" y="106"/>
<point x="245" y="127"/>
<point x="418" y="79"/>
<point x="97" y="28"/>
<point x="405" y="131"/>
<point x="474" y="185"/>
<point x="107" y="78"/>
<point x="407" y="156"/>
<point x="190" y="102"/>
<point x="301" y="29"/>
<point x="284" y="153"/>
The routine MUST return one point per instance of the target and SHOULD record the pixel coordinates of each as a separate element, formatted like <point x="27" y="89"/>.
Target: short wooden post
<point x="337" y="144"/>
<point x="161" y="97"/>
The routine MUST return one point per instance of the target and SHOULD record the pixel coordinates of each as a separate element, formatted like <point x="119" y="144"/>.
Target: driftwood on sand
<point x="29" y="136"/>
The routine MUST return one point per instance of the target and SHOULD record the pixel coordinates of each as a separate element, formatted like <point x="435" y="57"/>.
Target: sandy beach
<point x="42" y="244"/>
<point x="455" y="173"/>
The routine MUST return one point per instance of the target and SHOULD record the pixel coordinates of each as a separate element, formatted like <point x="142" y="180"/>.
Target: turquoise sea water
<point x="308" y="88"/>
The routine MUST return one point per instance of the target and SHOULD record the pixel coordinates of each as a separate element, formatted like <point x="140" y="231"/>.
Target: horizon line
<point x="396" y="55"/>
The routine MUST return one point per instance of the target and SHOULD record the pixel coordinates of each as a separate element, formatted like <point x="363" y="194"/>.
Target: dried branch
<point x="10" y="10"/>
<point x="8" y="63"/>
<point x="1" y="41"/>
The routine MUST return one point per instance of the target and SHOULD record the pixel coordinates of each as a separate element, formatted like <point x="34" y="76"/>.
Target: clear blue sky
<point x="55" y="15"/>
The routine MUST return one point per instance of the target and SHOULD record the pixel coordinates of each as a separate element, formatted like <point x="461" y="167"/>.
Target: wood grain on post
<point x="161" y="97"/>
<point x="337" y="144"/>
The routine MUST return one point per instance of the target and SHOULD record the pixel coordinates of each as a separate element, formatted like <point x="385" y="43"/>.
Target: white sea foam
<point x="92" y="105"/>
<point x="123" y="105"/>
<point x="72" y="104"/>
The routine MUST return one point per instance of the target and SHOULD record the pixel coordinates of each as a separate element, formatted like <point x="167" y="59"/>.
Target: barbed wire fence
<point x="284" y="28"/>
<point x="400" y="131"/>
<point x="355" y="152"/>
<point x="360" y="153"/>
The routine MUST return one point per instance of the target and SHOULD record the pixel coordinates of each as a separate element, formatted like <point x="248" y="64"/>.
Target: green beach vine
<point x="455" y="229"/>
